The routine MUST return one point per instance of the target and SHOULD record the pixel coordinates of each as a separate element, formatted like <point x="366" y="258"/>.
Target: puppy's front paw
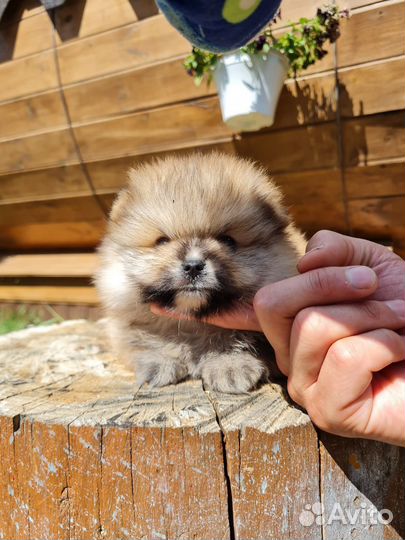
<point x="158" y="370"/>
<point x="233" y="373"/>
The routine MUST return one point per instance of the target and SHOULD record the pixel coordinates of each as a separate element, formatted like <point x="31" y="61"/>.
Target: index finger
<point x="276" y="305"/>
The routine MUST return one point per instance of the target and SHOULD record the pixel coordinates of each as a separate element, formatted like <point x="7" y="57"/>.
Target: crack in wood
<point x="228" y="481"/>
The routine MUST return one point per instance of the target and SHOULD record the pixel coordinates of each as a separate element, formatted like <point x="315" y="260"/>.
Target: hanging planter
<point x="249" y="81"/>
<point x="249" y="88"/>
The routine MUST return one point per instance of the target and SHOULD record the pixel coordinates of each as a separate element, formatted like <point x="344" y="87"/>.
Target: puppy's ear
<point x="120" y="205"/>
<point x="272" y="199"/>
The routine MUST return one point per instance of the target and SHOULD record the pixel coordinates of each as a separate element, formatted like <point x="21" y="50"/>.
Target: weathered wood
<point x="385" y="179"/>
<point x="350" y="478"/>
<point x="55" y="148"/>
<point x="372" y="33"/>
<point x="85" y="454"/>
<point x="28" y="76"/>
<point x="32" y="114"/>
<point x="49" y="294"/>
<point x="383" y="215"/>
<point x="119" y="49"/>
<point x="374" y="138"/>
<point x="26" y="186"/>
<point x="372" y="89"/>
<point x="50" y="265"/>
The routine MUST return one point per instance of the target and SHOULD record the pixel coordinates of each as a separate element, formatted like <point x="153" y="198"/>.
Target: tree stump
<point x="84" y="454"/>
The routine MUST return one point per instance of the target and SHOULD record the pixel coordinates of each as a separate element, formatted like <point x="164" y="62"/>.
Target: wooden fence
<point x="95" y="86"/>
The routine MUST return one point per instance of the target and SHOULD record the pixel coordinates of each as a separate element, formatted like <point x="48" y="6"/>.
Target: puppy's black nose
<point x="193" y="267"/>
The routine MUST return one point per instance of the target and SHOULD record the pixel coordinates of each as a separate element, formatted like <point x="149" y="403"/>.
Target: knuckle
<point x="265" y="301"/>
<point x="320" y="236"/>
<point x="391" y="339"/>
<point x="310" y="322"/>
<point x="343" y="352"/>
<point x="321" y="417"/>
<point x="319" y="281"/>
<point x="372" y="310"/>
<point x="294" y="394"/>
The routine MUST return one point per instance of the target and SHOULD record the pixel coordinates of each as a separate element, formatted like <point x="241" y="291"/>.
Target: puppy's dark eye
<point x="228" y="241"/>
<point x="162" y="240"/>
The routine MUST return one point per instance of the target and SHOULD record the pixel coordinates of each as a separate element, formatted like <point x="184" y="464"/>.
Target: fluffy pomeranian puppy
<point x="199" y="235"/>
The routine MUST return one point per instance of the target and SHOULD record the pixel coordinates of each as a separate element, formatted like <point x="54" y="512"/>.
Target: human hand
<point x="335" y="328"/>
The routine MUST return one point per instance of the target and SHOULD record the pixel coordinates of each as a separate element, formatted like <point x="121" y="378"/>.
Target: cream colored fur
<point x="214" y="208"/>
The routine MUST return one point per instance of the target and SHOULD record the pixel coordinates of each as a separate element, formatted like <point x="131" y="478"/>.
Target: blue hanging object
<point x="218" y="25"/>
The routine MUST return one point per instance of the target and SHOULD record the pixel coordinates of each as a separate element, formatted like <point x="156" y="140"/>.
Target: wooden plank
<point x="386" y="179"/>
<point x="48" y="294"/>
<point x="314" y="199"/>
<point x="54" y="148"/>
<point x="374" y="138"/>
<point x="173" y="127"/>
<point x="21" y="11"/>
<point x="302" y="101"/>
<point x="143" y="133"/>
<point x="32" y="114"/>
<point x="56" y="223"/>
<point x="77" y="19"/>
<point x="49" y="265"/>
<point x="111" y="175"/>
<point x="119" y="49"/>
<point x="80" y="234"/>
<point x="27" y="36"/>
<point x="300" y="149"/>
<point x="28" y="76"/>
<point x="345" y="483"/>
<point x="52" y="211"/>
<point x="135" y="90"/>
<point x="381" y="217"/>
<point x="43" y="184"/>
<point x="372" y="88"/>
<point x="373" y="33"/>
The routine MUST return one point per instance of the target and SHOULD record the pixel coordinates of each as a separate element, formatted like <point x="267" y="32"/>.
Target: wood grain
<point x="345" y="481"/>
<point x="49" y="294"/>
<point x="121" y="48"/>
<point x="374" y="138"/>
<point x="43" y="184"/>
<point x="314" y="199"/>
<point x="372" y="89"/>
<point x="386" y="179"/>
<point x="54" y="148"/>
<point x="382" y="217"/>
<point x="32" y="114"/>
<point x="164" y="129"/>
<point x="28" y="76"/>
<point x="373" y="33"/>
<point x="50" y="265"/>
<point x="25" y="37"/>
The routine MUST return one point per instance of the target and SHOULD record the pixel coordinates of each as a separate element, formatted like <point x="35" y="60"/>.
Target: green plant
<point x="302" y="45"/>
<point x="11" y="321"/>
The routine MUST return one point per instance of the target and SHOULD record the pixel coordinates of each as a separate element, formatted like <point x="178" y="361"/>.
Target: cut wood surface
<point x="85" y="454"/>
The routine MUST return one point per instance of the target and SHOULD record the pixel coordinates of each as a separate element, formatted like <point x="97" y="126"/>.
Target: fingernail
<point x="361" y="277"/>
<point x="397" y="306"/>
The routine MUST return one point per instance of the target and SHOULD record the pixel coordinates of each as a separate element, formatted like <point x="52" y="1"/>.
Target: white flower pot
<point x="249" y="88"/>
